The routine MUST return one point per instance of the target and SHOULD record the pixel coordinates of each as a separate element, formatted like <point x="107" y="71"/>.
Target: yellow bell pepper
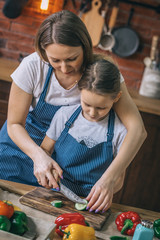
<point x="76" y="232"/>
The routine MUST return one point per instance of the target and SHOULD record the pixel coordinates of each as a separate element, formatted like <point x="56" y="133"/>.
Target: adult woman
<point x="37" y="92"/>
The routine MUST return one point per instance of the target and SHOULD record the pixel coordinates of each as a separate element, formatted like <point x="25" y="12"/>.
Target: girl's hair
<point x="65" y="28"/>
<point x="102" y="77"/>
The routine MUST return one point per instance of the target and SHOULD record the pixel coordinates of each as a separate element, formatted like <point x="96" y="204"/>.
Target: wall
<point x="17" y="35"/>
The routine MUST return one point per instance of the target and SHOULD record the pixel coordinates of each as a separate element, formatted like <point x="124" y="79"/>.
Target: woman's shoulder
<point x="35" y="59"/>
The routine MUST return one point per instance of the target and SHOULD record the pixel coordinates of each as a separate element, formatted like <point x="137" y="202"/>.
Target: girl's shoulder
<point x="67" y="111"/>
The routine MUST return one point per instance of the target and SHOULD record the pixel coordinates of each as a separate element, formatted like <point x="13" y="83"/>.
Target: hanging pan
<point x="107" y="40"/>
<point x="126" y="39"/>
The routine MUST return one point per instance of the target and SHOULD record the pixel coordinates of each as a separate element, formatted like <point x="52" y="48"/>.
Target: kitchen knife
<point x="71" y="195"/>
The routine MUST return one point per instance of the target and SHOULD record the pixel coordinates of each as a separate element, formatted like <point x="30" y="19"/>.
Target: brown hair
<point x="66" y="28"/>
<point x="101" y="76"/>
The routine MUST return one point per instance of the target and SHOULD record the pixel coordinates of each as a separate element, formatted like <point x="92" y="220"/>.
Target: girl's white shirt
<point x="30" y="76"/>
<point x="90" y="133"/>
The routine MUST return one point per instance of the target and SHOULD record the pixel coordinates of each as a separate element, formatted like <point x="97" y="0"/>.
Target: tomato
<point x="6" y="209"/>
<point x="16" y="208"/>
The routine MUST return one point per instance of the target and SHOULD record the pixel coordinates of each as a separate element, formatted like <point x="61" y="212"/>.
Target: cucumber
<point x="80" y="206"/>
<point x="57" y="203"/>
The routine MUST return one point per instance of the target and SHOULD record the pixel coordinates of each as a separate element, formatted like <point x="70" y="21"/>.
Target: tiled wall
<point x="17" y="35"/>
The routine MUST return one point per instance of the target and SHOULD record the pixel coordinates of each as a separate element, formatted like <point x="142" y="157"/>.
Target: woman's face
<point x="66" y="60"/>
<point x="95" y="107"/>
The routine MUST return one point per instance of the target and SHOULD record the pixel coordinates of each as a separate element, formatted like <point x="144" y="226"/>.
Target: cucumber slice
<point x="80" y="206"/>
<point x="57" y="203"/>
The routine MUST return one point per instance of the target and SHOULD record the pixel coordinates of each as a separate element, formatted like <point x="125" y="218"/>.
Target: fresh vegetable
<point x="119" y="238"/>
<point x="66" y="219"/>
<point x="16" y="208"/>
<point x="57" y="203"/>
<point x="127" y="221"/>
<point x="80" y="206"/>
<point x="19" y="223"/>
<point x="5" y="224"/>
<point x="156" y="227"/>
<point x="76" y="232"/>
<point x="6" y="209"/>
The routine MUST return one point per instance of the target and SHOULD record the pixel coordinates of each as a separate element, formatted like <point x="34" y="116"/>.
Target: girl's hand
<point x="100" y="197"/>
<point x="43" y="170"/>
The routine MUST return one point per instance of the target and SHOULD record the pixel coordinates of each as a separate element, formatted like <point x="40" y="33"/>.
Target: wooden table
<point x="22" y="189"/>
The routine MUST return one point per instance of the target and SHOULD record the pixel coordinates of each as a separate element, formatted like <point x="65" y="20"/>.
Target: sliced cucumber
<point x="57" y="203"/>
<point x="80" y="206"/>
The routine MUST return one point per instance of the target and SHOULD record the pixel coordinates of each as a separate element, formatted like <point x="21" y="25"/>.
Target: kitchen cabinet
<point x="141" y="187"/>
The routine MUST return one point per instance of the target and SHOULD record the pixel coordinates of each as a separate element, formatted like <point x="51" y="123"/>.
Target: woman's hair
<point x="65" y="28"/>
<point x="101" y="76"/>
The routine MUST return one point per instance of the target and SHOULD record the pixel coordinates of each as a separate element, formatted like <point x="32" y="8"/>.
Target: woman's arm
<point x="18" y="108"/>
<point x="136" y="133"/>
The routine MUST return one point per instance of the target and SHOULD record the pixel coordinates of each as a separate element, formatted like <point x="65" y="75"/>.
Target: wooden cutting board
<point x="94" y="22"/>
<point x="41" y="198"/>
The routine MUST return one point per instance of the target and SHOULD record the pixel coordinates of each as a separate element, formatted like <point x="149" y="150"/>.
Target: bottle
<point x="144" y="231"/>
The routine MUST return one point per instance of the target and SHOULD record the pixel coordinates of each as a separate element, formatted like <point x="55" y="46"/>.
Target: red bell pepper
<point x="127" y="221"/>
<point x="66" y="219"/>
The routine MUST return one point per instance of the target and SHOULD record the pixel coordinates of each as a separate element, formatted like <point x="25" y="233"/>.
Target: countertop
<point x="20" y="189"/>
<point x="144" y="104"/>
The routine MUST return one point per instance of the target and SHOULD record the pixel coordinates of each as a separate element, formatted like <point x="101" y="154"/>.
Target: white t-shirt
<point x="90" y="133"/>
<point x="30" y="76"/>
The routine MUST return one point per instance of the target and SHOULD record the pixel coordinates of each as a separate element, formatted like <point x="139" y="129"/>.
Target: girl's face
<point x="66" y="60"/>
<point x="95" y="107"/>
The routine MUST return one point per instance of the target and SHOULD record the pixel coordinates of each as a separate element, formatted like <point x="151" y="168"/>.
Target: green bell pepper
<point x="5" y="224"/>
<point x="19" y="223"/>
<point x="119" y="238"/>
<point x="156" y="227"/>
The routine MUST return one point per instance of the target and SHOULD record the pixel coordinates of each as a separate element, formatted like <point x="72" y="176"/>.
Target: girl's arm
<point x="18" y="108"/>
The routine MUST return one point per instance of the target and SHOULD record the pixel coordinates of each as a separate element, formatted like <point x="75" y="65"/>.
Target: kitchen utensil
<point x="153" y="53"/>
<point x="83" y="7"/>
<point x="71" y="195"/>
<point x="41" y="198"/>
<point x="150" y="84"/>
<point x="107" y="40"/>
<point x="126" y="39"/>
<point x="154" y="47"/>
<point x="94" y="22"/>
<point x="66" y="191"/>
<point x="141" y="4"/>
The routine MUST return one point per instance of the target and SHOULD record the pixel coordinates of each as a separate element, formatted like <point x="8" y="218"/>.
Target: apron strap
<point x="71" y="120"/>
<point x="110" y="132"/>
<point x="43" y="94"/>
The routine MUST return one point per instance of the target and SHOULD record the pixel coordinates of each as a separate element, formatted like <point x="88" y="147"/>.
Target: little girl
<point x="86" y="138"/>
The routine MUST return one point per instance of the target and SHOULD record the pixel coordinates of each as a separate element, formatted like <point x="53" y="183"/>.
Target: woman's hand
<point x="100" y="197"/>
<point x="44" y="167"/>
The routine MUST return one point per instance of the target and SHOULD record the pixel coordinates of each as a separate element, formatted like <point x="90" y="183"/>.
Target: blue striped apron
<point x="15" y="165"/>
<point x="83" y="166"/>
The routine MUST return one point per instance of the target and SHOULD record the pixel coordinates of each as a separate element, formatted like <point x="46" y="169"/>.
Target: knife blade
<point x="71" y="195"/>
